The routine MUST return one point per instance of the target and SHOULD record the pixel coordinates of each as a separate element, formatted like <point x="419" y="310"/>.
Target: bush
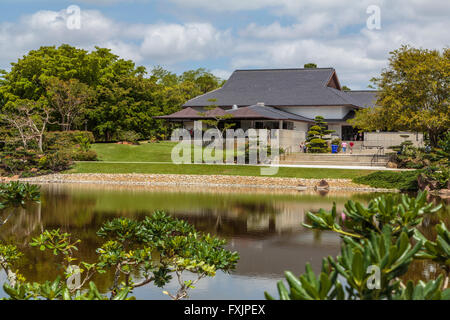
<point x="81" y="155"/>
<point x="129" y="136"/>
<point x="56" y="161"/>
<point x="404" y="180"/>
<point x="63" y="139"/>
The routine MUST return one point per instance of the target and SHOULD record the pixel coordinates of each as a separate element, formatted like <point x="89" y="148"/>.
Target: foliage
<point x="315" y="138"/>
<point x="129" y="136"/>
<point x="401" y="180"/>
<point x="438" y="251"/>
<point x="375" y="253"/>
<point x="100" y="92"/>
<point x="353" y="265"/>
<point x="138" y="253"/>
<point x="216" y="120"/>
<point x="310" y="65"/>
<point x="401" y="212"/>
<point x="413" y="95"/>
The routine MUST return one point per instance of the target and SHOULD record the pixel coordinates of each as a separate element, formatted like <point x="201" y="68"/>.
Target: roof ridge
<point x="197" y="97"/>
<point x="363" y="91"/>
<point x="286" y="69"/>
<point x="345" y="99"/>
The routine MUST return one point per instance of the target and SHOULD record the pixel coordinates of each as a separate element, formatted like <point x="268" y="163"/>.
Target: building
<point x="284" y="99"/>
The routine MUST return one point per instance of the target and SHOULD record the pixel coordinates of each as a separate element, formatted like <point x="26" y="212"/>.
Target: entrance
<point x="350" y="133"/>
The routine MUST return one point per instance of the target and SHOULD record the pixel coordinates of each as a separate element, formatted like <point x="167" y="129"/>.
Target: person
<point x="344" y="147"/>
<point x="301" y="147"/>
<point x="305" y="148"/>
<point x="351" y="147"/>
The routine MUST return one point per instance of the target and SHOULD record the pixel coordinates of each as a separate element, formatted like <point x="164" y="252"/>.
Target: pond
<point x="265" y="228"/>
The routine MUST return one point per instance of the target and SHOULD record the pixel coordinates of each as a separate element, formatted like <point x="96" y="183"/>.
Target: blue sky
<point x="223" y="35"/>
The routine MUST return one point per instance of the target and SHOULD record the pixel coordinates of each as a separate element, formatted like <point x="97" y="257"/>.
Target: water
<point x="265" y="228"/>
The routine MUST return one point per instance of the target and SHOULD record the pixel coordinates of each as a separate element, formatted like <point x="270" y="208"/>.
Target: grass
<point x="198" y="169"/>
<point x="146" y="152"/>
<point x="161" y="152"/>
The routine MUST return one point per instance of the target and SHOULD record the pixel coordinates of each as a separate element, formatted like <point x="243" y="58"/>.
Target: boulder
<point x="391" y="165"/>
<point x="322" y="185"/>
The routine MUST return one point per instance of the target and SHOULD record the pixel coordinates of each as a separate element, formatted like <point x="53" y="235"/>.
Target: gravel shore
<point x="201" y="180"/>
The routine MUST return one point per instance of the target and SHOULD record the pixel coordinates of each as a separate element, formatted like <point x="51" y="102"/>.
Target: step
<point x="335" y="163"/>
<point x="348" y="158"/>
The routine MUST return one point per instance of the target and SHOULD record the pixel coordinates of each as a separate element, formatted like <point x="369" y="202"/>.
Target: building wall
<point x="301" y="126"/>
<point x="327" y="112"/>
<point x="388" y="139"/>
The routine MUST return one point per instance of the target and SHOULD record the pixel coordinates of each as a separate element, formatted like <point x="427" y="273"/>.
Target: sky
<point x="354" y="37"/>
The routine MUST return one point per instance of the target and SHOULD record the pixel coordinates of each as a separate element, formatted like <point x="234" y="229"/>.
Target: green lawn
<point x="307" y="173"/>
<point x="146" y="152"/>
<point x="161" y="152"/>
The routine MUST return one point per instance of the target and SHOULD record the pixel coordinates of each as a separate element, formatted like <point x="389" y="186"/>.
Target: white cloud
<point x="160" y="43"/>
<point x="327" y="32"/>
<point x="192" y="41"/>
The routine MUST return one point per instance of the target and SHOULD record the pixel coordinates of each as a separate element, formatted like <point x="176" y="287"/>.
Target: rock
<point x="14" y="178"/>
<point x="425" y="183"/>
<point x="322" y="185"/>
<point x="34" y="170"/>
<point x="444" y="193"/>
<point x="391" y="165"/>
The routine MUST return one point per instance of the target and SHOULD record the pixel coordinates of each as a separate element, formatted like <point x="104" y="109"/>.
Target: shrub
<point x="404" y="180"/>
<point x="316" y="141"/>
<point x="56" y="161"/>
<point x="56" y="140"/>
<point x="89" y="155"/>
<point x="129" y="136"/>
<point x="376" y="237"/>
<point x="136" y="252"/>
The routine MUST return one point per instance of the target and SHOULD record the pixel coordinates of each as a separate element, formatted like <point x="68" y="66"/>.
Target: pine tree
<point x="315" y="139"/>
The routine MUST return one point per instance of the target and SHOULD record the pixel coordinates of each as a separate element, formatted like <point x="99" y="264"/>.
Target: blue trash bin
<point x="334" y="148"/>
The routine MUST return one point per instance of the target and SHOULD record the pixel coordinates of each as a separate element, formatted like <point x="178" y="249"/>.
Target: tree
<point x="30" y="119"/>
<point x="345" y="88"/>
<point x="216" y="119"/>
<point x="69" y="99"/>
<point x="315" y="138"/>
<point x="310" y="66"/>
<point x="414" y="94"/>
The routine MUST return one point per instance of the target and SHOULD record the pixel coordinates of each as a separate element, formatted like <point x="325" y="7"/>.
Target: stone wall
<point x="388" y="139"/>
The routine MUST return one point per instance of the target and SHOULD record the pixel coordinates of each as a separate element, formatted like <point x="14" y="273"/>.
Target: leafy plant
<point x="315" y="138"/>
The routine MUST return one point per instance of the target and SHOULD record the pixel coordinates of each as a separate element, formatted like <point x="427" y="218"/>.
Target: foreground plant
<point x="137" y="252"/>
<point x="380" y="242"/>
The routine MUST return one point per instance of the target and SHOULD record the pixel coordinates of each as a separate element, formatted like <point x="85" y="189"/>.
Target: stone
<point x="322" y="185"/>
<point x="444" y="193"/>
<point x="391" y="165"/>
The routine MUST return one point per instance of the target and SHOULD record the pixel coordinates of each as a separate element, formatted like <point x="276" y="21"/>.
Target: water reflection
<point x="265" y="228"/>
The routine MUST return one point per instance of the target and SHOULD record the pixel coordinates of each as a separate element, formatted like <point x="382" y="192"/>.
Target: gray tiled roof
<point x="277" y="87"/>
<point x="265" y="112"/>
<point x="364" y="98"/>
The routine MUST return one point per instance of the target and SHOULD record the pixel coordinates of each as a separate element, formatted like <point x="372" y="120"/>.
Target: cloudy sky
<point x="224" y="35"/>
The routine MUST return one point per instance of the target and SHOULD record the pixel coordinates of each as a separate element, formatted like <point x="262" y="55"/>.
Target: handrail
<point x="376" y="156"/>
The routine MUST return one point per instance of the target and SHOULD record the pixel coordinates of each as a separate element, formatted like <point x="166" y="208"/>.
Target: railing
<point x="376" y="156"/>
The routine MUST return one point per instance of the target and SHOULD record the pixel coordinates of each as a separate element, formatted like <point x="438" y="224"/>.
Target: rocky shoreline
<point x="204" y="181"/>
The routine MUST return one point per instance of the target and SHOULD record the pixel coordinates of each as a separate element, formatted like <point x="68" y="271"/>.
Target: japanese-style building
<point x="287" y="99"/>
